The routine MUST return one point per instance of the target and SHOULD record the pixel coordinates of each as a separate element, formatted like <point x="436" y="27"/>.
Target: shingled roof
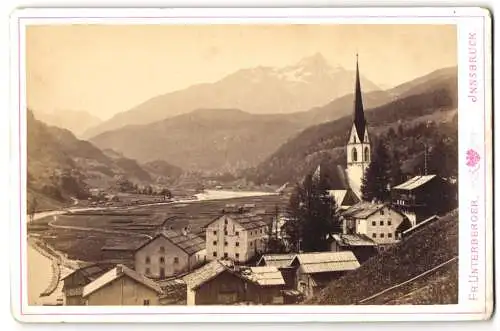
<point x="188" y="242"/>
<point x="276" y="260"/>
<point x="326" y="261"/>
<point x="116" y="273"/>
<point x="248" y="221"/>
<point x="202" y="275"/>
<point x="414" y="182"/>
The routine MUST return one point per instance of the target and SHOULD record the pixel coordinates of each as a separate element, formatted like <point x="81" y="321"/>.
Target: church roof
<point x="359" y="114"/>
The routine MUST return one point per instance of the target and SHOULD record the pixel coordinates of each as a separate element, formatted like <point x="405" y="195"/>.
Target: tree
<point x="166" y="194"/>
<point x="32" y="209"/>
<point x="377" y="178"/>
<point x="313" y="214"/>
<point x="396" y="175"/>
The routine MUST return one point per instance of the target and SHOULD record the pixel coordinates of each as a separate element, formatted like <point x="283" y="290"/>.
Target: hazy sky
<point x="109" y="69"/>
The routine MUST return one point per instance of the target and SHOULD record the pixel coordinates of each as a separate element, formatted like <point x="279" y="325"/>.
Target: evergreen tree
<point x="377" y="178"/>
<point x="313" y="216"/>
<point x="397" y="176"/>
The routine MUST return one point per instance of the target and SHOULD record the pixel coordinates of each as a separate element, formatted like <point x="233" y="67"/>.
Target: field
<point x="83" y="235"/>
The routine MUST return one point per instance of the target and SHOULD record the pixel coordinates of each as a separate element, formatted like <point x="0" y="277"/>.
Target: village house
<point x="74" y="282"/>
<point x="378" y="221"/>
<point x="265" y="285"/>
<point x="238" y="237"/>
<point x="283" y="262"/>
<point x="121" y="286"/>
<point x="215" y="283"/>
<point x="315" y="270"/>
<point x="169" y="253"/>
<point x="361" y="245"/>
<point x="418" y="197"/>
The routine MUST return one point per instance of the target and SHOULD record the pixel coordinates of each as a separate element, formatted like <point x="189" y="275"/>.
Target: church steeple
<point x="359" y="114"/>
<point x="358" y="150"/>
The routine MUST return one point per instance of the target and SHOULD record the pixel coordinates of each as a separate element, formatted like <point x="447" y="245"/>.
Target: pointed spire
<point x="359" y="115"/>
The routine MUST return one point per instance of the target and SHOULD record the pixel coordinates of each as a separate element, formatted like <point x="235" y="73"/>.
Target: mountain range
<point x="77" y="121"/>
<point x="60" y="166"/>
<point x="232" y="139"/>
<point x="311" y="82"/>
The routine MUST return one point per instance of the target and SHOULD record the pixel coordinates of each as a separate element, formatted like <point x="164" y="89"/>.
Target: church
<point x="345" y="182"/>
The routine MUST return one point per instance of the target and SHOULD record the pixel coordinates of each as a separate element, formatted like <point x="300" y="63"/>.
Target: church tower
<point x="358" y="146"/>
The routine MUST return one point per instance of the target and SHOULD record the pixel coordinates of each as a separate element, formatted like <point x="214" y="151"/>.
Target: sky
<point x="107" y="69"/>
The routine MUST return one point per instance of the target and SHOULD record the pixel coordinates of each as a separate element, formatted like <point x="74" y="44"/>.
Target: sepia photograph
<point x="233" y="164"/>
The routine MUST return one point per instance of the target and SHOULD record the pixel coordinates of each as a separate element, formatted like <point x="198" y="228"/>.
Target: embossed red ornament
<point x="472" y="158"/>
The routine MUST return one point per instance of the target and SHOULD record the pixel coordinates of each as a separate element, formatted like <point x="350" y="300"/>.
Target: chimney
<point x="184" y="231"/>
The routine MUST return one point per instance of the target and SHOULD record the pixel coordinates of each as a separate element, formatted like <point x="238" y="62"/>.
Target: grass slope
<point x="423" y="250"/>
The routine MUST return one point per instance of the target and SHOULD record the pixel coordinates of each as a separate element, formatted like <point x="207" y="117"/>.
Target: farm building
<point x="169" y="253"/>
<point x="421" y="197"/>
<point x="238" y="237"/>
<point x="265" y="285"/>
<point x="283" y="263"/>
<point x="316" y="270"/>
<point x="380" y="222"/>
<point x="74" y="282"/>
<point x="215" y="283"/>
<point x="361" y="245"/>
<point x="121" y="286"/>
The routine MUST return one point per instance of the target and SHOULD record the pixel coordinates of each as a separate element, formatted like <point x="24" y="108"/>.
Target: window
<point x="225" y="221"/>
<point x="162" y="250"/>
<point x="237" y="233"/>
<point x="381" y="235"/>
<point x="381" y="222"/>
<point x="215" y="233"/>
<point x="389" y="235"/>
<point x="381" y="212"/>
<point x="148" y="271"/>
<point x="148" y="260"/>
<point x="374" y="235"/>
<point x="261" y="231"/>
<point x="225" y="233"/>
<point x="374" y="223"/>
<point x="225" y="255"/>
<point x="389" y="223"/>
<point x="251" y="243"/>
<point x="354" y="154"/>
<point x="215" y="243"/>
<point x="367" y="154"/>
<point x="215" y="254"/>
<point x="225" y="243"/>
<point x="176" y="259"/>
<point x="162" y="273"/>
<point x="162" y="260"/>
<point x="146" y="302"/>
<point x="237" y="244"/>
<point x="237" y="256"/>
<point x="354" y="138"/>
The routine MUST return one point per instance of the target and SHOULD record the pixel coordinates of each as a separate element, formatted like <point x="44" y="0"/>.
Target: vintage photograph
<point x="286" y="164"/>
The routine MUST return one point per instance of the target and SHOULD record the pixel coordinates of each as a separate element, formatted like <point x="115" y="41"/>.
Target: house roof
<point x="363" y="209"/>
<point x="207" y="272"/>
<point x="188" y="242"/>
<point x="92" y="271"/>
<point x="414" y="182"/>
<point x="116" y="273"/>
<point x="265" y="276"/>
<point x="248" y="221"/>
<point x="353" y="240"/>
<point x="277" y="260"/>
<point x="327" y="261"/>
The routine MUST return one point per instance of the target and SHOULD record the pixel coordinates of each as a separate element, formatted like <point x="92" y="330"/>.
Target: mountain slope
<point x="325" y="143"/>
<point x="428" y="248"/>
<point x="222" y="139"/>
<point x="228" y="139"/>
<point x="263" y="90"/>
<point x="74" y="120"/>
<point x="61" y="166"/>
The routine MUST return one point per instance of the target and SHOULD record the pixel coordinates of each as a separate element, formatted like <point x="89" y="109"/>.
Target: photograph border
<point x="474" y="132"/>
